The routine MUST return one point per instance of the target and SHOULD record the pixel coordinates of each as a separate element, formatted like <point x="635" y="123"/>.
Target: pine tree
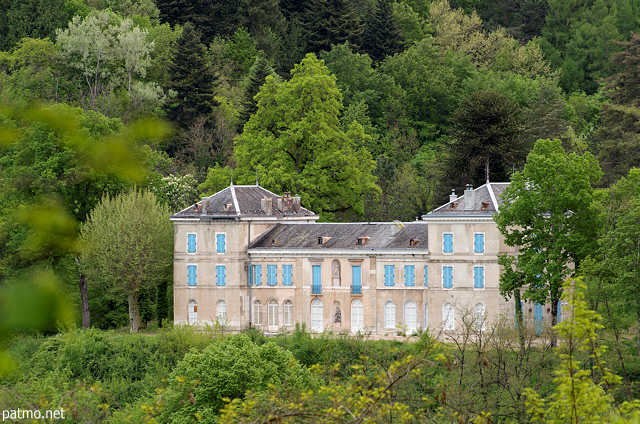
<point x="328" y="22"/>
<point x="192" y="78"/>
<point x="382" y="37"/>
<point x="257" y="75"/>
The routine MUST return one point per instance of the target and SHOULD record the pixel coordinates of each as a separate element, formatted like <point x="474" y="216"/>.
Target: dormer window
<point x="484" y="205"/>
<point x="361" y="241"/>
<point x="226" y="206"/>
<point x="198" y="205"/>
<point x="413" y="242"/>
<point x="323" y="240"/>
<point x="453" y="205"/>
<point x="319" y="240"/>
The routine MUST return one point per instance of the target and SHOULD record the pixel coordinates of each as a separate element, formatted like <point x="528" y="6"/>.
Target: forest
<point x="117" y="113"/>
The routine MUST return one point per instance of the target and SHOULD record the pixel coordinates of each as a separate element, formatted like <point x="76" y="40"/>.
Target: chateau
<point x="246" y="256"/>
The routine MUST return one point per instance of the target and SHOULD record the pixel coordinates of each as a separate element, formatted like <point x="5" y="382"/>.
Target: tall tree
<point x="192" y="78"/>
<point x="485" y="130"/>
<point x="548" y="213"/>
<point x="126" y="247"/>
<point x="382" y="36"/>
<point x="328" y="22"/>
<point x="295" y="143"/>
<point x="257" y="76"/>
<point x="30" y="19"/>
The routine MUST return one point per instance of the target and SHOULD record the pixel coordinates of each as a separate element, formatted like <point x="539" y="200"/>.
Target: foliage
<point x="126" y="247"/>
<point x="382" y="36"/>
<point x="177" y="192"/>
<point x="227" y="369"/>
<point x="30" y="19"/>
<point x="329" y="22"/>
<point x="294" y="143"/>
<point x="547" y="212"/>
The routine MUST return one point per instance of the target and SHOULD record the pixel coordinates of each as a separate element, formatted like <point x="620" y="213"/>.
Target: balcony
<point x="356" y="289"/>
<point x="316" y="289"/>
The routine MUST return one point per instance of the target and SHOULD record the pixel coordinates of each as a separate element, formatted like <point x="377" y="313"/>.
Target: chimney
<point x="296" y="204"/>
<point x="469" y="197"/>
<point x="285" y="203"/>
<point x="452" y="196"/>
<point x="266" y="205"/>
<point x="205" y="205"/>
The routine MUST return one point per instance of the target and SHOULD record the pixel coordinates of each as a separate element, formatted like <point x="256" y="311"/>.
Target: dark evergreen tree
<point x="624" y="87"/>
<point x="291" y="8"/>
<point x="486" y="134"/>
<point x="210" y="17"/>
<point x="382" y="37"/>
<point x="192" y="78"/>
<point x="30" y="18"/>
<point x="524" y="19"/>
<point x="329" y="22"/>
<point x="257" y="75"/>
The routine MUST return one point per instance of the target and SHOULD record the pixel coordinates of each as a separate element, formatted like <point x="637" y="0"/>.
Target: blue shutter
<point x="409" y="276"/>
<point x="191" y="275"/>
<point x="426" y="276"/>
<point x="220" y="275"/>
<point x="272" y="275"/>
<point x="478" y="277"/>
<point x="191" y="243"/>
<point x="220" y="247"/>
<point x="447" y="277"/>
<point x="317" y="280"/>
<point x="258" y="272"/>
<point x="479" y="243"/>
<point x="356" y="280"/>
<point x="537" y="319"/>
<point x="448" y="243"/>
<point x="388" y="275"/>
<point x="287" y="275"/>
<point x="251" y="275"/>
<point x="559" y="314"/>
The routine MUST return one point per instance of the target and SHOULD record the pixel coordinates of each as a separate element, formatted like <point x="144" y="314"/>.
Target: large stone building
<point x="246" y="256"/>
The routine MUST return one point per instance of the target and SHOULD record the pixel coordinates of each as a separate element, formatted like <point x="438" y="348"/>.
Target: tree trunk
<point x="519" y="320"/>
<point x="134" y="312"/>
<point x="84" y="299"/>
<point x="554" y="320"/>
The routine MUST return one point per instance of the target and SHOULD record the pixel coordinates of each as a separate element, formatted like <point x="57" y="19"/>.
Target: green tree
<point x="485" y="130"/>
<point x="547" y="212"/>
<point x="30" y="19"/>
<point x="294" y="143"/>
<point x="257" y="76"/>
<point x="329" y="22"/>
<point x="127" y="247"/>
<point x="192" y="79"/>
<point x="382" y="36"/>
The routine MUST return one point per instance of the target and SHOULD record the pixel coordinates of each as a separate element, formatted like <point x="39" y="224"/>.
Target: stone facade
<point x="278" y="266"/>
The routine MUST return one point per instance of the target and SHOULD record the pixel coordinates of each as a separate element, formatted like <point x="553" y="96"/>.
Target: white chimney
<point x="452" y="196"/>
<point x="469" y="197"/>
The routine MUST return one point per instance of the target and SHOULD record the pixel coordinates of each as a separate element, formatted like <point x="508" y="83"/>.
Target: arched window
<point x="479" y="317"/>
<point x="335" y="272"/>
<point x="426" y="315"/>
<point x="193" y="312"/>
<point x="410" y="316"/>
<point x="288" y="312"/>
<point x="389" y="314"/>
<point x="447" y="317"/>
<point x="257" y="313"/>
<point x="316" y="315"/>
<point x="222" y="311"/>
<point x="273" y="313"/>
<point x="357" y="315"/>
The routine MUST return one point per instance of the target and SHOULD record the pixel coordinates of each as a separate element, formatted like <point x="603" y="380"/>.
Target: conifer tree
<point x="328" y="22"/>
<point x="382" y="37"/>
<point x="257" y="75"/>
<point x="192" y="78"/>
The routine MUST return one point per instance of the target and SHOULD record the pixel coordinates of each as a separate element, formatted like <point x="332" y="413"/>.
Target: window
<point x="559" y="313"/>
<point x="273" y="313"/>
<point x="537" y="318"/>
<point x="222" y="312"/>
<point x="257" y="316"/>
<point x="426" y="276"/>
<point x="288" y="312"/>
<point x="447" y="317"/>
<point x="409" y="275"/>
<point x="356" y="280"/>
<point x="478" y="277"/>
<point x="220" y="243"/>
<point x="479" y="317"/>
<point x="478" y="241"/>
<point x="272" y="275"/>
<point x="191" y="243"/>
<point x="220" y="275"/>
<point x="191" y="275"/>
<point x="447" y="277"/>
<point x="257" y="275"/>
<point x="317" y="279"/>
<point x="287" y="275"/>
<point x="316" y="315"/>
<point x="426" y="315"/>
<point x="193" y="312"/>
<point x="388" y="275"/>
<point x="410" y="316"/>
<point x="357" y="316"/>
<point x="447" y="243"/>
<point x="389" y="315"/>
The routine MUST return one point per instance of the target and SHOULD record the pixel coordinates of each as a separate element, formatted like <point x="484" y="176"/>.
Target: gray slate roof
<point x="382" y="235"/>
<point x="486" y="202"/>
<point x="238" y="200"/>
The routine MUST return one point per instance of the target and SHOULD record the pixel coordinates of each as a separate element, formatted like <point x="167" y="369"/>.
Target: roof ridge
<point x="493" y="197"/>
<point x="235" y="200"/>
